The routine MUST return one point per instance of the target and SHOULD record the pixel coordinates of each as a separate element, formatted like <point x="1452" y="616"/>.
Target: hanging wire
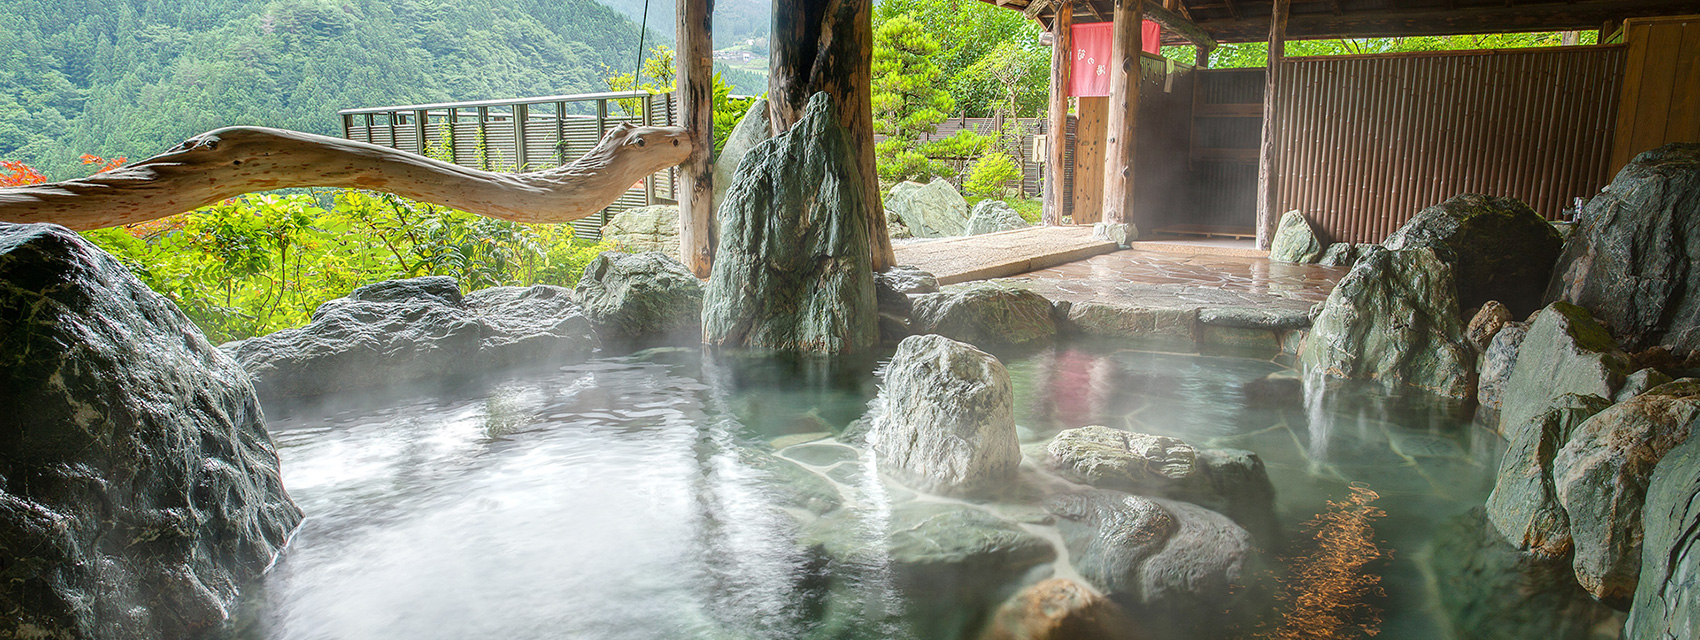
<point x="643" y="30"/>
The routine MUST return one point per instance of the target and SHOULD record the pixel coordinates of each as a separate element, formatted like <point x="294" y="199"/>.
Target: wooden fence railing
<point x="521" y="133"/>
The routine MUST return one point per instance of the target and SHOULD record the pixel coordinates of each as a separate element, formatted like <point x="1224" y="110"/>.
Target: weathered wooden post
<point x="1123" y="126"/>
<point x="827" y="45"/>
<point x="1268" y="157"/>
<point x="695" y="74"/>
<point x="1056" y="115"/>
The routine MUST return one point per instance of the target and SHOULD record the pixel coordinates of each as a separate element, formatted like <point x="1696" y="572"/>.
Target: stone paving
<point x="1151" y="278"/>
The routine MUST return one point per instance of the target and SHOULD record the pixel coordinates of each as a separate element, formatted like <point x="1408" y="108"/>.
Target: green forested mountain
<point x="132" y="77"/>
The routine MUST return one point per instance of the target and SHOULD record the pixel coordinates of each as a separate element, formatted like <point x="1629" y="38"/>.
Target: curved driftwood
<point x="229" y="162"/>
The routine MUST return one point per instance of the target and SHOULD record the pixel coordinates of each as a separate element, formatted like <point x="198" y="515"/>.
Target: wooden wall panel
<point x="1089" y="159"/>
<point x="1661" y="88"/>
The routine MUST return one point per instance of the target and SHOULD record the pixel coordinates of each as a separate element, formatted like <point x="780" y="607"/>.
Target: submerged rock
<point x="1059" y="609"/>
<point x="1629" y="263"/>
<point x="1601" y="476"/>
<point x="140" y="487"/>
<point x="1667" y="598"/>
<point x="414" y="330"/>
<point x="1295" y="240"/>
<point x="1154" y="554"/>
<point x="640" y="229"/>
<point x="946" y="420"/>
<point x="1487" y="589"/>
<point x="1524" y="505"/>
<point x="1394" y="318"/>
<point x="752" y="129"/>
<point x="1564" y="352"/>
<point x="1499" y="248"/>
<point x="793" y="271"/>
<point x="986" y="313"/>
<point x="1124" y="460"/>
<point x="992" y="216"/>
<point x="932" y="210"/>
<point x="1497" y="362"/>
<point x="640" y="296"/>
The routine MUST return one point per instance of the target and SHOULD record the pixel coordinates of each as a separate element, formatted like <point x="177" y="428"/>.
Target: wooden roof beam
<point x="1178" y="24"/>
<point x="1547" y="16"/>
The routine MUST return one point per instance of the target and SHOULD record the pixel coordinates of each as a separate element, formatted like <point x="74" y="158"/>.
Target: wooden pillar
<point x="828" y="45"/>
<point x="1121" y="138"/>
<point x="1201" y="56"/>
<point x="1056" y="116"/>
<point x="695" y="74"/>
<point x="1268" y="157"/>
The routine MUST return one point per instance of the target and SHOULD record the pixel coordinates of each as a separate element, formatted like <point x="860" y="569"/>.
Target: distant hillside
<point x="734" y="20"/>
<point x="132" y="77"/>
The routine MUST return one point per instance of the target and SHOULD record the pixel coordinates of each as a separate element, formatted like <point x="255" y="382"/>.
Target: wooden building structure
<point x="1361" y="143"/>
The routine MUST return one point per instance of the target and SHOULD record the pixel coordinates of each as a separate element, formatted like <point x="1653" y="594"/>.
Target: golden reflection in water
<point x="1324" y="593"/>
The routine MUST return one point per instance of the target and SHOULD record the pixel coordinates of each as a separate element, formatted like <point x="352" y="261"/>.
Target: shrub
<point x="991" y="175"/>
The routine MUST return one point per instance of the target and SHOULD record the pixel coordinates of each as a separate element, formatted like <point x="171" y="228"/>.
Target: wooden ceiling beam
<point x="1174" y="22"/>
<point x="1546" y="16"/>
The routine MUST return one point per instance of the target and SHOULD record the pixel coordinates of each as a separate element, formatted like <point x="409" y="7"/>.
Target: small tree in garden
<point x="991" y="175"/>
<point x="909" y="97"/>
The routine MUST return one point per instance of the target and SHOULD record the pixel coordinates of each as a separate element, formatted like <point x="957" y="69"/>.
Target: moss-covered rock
<point x="1499" y="248"/>
<point x="1524" y="505"/>
<point x="1295" y="240"/>
<point x="1564" y="352"/>
<point x="1667" y="597"/>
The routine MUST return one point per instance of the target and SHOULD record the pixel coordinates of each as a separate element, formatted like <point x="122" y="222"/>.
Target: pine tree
<point x="909" y="97"/>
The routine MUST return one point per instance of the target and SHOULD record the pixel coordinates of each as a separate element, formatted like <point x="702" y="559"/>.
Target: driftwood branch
<point x="229" y="162"/>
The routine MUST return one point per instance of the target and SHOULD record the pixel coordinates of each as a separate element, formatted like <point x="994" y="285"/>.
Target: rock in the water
<point x="932" y="210"/>
<point x="1601" y="476"/>
<point x="793" y="271"/>
<point x="414" y="330"/>
<point x="1524" y="506"/>
<point x="1564" y="351"/>
<point x="1339" y="254"/>
<point x="1499" y="248"/>
<point x="751" y="130"/>
<point x="992" y="216"/>
<point x="1394" y="318"/>
<point x="1667" y="599"/>
<point x="1496" y="363"/>
<point x="1059" y="609"/>
<point x="1124" y="460"/>
<point x="1152" y="553"/>
<point x="1487" y="589"/>
<point x="946" y="421"/>
<point x="1295" y="240"/>
<point x="1629" y="262"/>
<point x="640" y="229"/>
<point x="640" y="296"/>
<point x="1492" y="317"/>
<point x="140" y="487"/>
<point x="906" y="280"/>
<point x="922" y="537"/>
<point x="986" y="314"/>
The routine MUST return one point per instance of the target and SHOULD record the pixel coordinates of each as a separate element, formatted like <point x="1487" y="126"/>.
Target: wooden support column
<point x="695" y="75"/>
<point x="1201" y="57"/>
<point x="1056" y="116"/>
<point x="828" y="45"/>
<point x="1122" y="137"/>
<point x="1268" y="156"/>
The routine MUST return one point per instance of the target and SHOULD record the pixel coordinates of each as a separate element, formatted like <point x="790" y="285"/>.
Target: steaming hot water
<point x="620" y="498"/>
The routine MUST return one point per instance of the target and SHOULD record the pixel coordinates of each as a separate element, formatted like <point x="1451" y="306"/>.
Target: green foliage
<point x="974" y="34"/>
<point x="908" y="97"/>
<point x="727" y="112"/>
<point x="991" y="175"/>
<point x="1256" y="54"/>
<point x="261" y="263"/>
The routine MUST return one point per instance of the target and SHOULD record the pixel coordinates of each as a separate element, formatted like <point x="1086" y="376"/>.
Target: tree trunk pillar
<point x="1268" y="156"/>
<point x="1122" y="136"/>
<point x="695" y="74"/>
<point x="1056" y="115"/>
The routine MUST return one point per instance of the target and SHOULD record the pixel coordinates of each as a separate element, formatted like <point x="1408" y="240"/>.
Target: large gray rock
<point x="1499" y="248"/>
<point x="1394" y="318"/>
<point x="640" y="296"/>
<point x="1123" y="460"/>
<point x="414" y="330"/>
<point x="1488" y="589"/>
<point x="932" y="210"/>
<point x="986" y="313"/>
<point x="1497" y="362"/>
<point x="1564" y="352"/>
<point x="793" y="269"/>
<point x="1630" y="261"/>
<point x="140" y="487"/>
<point x="1602" y="475"/>
<point x="751" y="130"/>
<point x="640" y="229"/>
<point x="1295" y="240"/>
<point x="945" y="421"/>
<point x="907" y="280"/>
<point x="1667" y="598"/>
<point x="1524" y="505"/>
<point x="992" y="216"/>
<point x="1153" y="553"/>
